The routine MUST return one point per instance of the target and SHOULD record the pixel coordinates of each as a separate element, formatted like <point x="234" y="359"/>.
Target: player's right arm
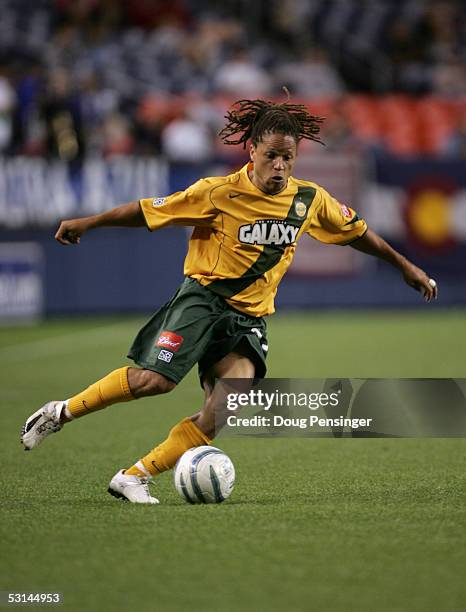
<point x="127" y="215"/>
<point x="192" y="207"/>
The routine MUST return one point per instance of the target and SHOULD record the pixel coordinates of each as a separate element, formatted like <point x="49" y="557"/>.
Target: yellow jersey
<point x="243" y="239"/>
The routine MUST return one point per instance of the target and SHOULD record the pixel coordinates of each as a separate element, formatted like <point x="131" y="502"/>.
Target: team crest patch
<point x="169" y="340"/>
<point x="346" y="211"/>
<point x="158" y="201"/>
<point x="300" y="208"/>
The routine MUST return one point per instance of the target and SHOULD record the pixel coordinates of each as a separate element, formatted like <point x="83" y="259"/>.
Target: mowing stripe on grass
<point x="64" y="344"/>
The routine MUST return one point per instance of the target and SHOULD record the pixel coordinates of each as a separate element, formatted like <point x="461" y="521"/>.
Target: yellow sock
<point x="111" y="389"/>
<point x="163" y="457"/>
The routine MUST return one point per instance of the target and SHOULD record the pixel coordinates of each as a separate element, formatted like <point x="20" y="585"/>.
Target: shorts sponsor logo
<point x="158" y="202"/>
<point x="169" y="340"/>
<point x="166" y="356"/>
<point x="268" y="231"/>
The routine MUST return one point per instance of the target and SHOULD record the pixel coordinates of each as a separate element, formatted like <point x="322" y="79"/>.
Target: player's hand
<point x="70" y="231"/>
<point x="418" y="279"/>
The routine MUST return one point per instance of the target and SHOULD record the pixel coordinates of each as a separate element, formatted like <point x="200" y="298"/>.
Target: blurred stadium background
<point x="106" y="101"/>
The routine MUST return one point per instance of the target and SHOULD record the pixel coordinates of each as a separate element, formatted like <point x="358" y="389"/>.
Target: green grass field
<point x="313" y="524"/>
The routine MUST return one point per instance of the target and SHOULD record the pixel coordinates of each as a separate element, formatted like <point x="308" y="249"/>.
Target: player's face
<point x="274" y="157"/>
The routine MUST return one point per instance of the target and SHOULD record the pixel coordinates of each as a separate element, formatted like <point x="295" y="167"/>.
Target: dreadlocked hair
<point x="254" y="118"/>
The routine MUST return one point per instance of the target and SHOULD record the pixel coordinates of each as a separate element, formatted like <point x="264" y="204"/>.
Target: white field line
<point x="66" y="343"/>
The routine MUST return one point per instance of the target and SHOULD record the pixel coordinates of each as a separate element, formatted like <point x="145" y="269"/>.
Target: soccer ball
<point x="204" y="475"/>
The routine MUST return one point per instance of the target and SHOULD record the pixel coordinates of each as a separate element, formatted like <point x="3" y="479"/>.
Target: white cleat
<point x="131" y="488"/>
<point x="41" y="424"/>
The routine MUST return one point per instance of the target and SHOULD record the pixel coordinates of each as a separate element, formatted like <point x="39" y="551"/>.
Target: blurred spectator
<point x="96" y="103"/>
<point x="455" y="146"/>
<point x="60" y="111"/>
<point x="7" y="107"/>
<point x="440" y="27"/>
<point x="29" y="132"/>
<point x="154" y="13"/>
<point x="204" y="50"/>
<point x="148" y="124"/>
<point x="337" y="134"/>
<point x="312" y="75"/>
<point x="290" y="21"/>
<point x="449" y="78"/>
<point x="116" y="136"/>
<point x="406" y="49"/>
<point x="240" y="76"/>
<point x="185" y="140"/>
<point x="97" y="61"/>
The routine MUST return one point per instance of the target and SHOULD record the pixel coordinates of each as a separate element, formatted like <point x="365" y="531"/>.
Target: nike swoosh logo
<point x="234" y="195"/>
<point x="353" y="220"/>
<point x="156" y="467"/>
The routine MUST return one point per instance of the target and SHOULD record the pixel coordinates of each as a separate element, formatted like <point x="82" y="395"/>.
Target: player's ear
<point x="252" y="151"/>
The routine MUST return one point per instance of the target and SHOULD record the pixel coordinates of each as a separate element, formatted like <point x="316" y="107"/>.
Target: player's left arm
<point x="372" y="244"/>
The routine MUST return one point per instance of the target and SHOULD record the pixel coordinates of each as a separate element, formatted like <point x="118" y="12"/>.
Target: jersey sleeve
<point x="191" y="207"/>
<point x="335" y="223"/>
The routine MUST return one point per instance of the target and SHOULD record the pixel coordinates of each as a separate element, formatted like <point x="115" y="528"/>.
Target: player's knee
<point x="146" y="382"/>
<point x="157" y="384"/>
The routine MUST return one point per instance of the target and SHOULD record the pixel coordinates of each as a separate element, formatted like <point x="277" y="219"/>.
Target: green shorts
<point x="197" y="326"/>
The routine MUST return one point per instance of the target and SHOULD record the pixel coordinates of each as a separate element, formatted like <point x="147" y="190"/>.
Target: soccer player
<point x="246" y="227"/>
